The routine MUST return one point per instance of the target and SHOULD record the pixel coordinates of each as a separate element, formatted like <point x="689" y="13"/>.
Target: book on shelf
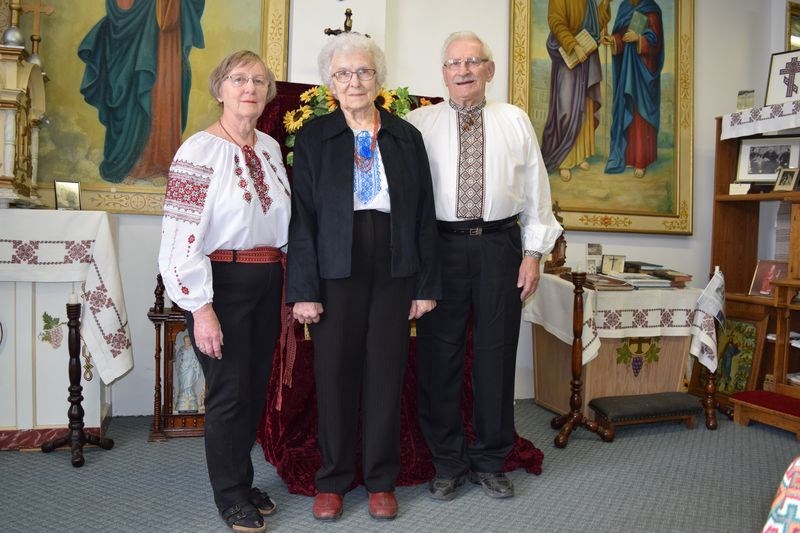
<point x="642" y="280"/>
<point x="586" y="41"/>
<point x="641" y="266"/>
<point x="599" y="282"/>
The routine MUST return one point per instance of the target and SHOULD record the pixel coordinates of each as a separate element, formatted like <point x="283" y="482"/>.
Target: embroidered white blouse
<point x="214" y="201"/>
<point x="515" y="178"/>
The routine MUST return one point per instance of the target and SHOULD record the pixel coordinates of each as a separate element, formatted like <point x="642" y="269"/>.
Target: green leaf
<point x="289" y="142"/>
<point x="290" y="159"/>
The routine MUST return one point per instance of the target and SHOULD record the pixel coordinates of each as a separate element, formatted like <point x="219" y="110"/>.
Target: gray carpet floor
<point x="658" y="477"/>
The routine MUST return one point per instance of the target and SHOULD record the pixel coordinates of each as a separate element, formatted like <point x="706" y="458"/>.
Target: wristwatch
<point x="532" y="253"/>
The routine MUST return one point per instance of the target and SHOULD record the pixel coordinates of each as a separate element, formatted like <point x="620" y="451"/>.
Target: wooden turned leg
<point x="710" y="401"/>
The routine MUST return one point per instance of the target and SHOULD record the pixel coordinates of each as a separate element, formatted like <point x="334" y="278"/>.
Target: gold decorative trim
<point x="275" y="36"/>
<point x="680" y="220"/>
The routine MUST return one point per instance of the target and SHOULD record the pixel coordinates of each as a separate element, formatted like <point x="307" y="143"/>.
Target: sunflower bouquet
<point x="318" y="101"/>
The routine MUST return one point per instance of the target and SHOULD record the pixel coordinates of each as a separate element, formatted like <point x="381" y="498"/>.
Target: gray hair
<point x="465" y="36"/>
<point x="242" y="57"/>
<point x="350" y="42"/>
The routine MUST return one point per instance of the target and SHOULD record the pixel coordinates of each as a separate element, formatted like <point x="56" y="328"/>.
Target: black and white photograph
<point x="787" y="179"/>
<point x="760" y="159"/>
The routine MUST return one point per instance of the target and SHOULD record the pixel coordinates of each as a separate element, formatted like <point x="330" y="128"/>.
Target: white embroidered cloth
<point x="761" y="120"/>
<point x="611" y="314"/>
<point x="65" y="246"/>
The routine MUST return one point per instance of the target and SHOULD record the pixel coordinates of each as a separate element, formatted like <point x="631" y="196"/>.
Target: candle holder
<point x="76" y="437"/>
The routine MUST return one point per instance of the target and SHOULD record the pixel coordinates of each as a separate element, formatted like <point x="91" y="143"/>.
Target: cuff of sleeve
<point x="532" y="253"/>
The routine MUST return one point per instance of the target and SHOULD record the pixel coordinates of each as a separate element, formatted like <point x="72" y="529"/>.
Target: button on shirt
<point x="516" y="180"/>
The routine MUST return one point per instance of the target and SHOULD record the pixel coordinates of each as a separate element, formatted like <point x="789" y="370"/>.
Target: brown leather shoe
<point x="327" y="506"/>
<point x="382" y="505"/>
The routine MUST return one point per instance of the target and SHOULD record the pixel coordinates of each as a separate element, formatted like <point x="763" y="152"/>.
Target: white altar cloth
<point x="68" y="246"/>
<point x="761" y="119"/>
<point x="611" y="314"/>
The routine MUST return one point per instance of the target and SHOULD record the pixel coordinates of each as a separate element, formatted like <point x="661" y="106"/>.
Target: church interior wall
<point x="733" y="40"/>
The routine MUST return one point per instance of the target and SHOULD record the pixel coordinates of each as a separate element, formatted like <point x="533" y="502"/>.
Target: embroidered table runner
<point x="612" y="314"/>
<point x="67" y="246"/>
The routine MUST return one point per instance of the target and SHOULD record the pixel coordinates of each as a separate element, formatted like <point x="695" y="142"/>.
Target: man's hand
<point x="307" y="312"/>
<point x="528" y="278"/>
<point x="630" y="37"/>
<point x="207" y="332"/>
<point x="420" y="307"/>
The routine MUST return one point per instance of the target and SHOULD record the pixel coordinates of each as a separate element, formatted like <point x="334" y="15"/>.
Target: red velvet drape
<point x="289" y="436"/>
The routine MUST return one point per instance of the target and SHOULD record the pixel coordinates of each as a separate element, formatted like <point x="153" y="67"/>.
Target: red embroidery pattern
<point x="78" y="251"/>
<point x="187" y="186"/>
<point x="242" y="182"/>
<point x="25" y="252"/>
<point x="253" y="164"/>
<point x="99" y="303"/>
<point x="117" y="341"/>
<point x="274" y="168"/>
<point x="98" y="299"/>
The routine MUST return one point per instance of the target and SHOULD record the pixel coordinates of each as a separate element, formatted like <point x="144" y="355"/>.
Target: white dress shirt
<point x="212" y="203"/>
<point x="515" y="179"/>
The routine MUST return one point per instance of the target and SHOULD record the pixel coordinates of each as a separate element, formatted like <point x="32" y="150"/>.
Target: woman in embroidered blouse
<point x="362" y="262"/>
<point x="226" y="217"/>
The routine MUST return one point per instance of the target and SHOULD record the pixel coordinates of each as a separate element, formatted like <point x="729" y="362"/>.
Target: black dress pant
<point x="479" y="274"/>
<point x="247" y="301"/>
<point x="360" y="354"/>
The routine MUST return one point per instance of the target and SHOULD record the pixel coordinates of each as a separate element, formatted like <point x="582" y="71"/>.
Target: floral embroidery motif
<point x="98" y="299"/>
<point x="117" y="341"/>
<point x="52" y="332"/>
<point x="78" y="251"/>
<point x="275" y="169"/>
<point x="253" y="164"/>
<point x="25" y="252"/>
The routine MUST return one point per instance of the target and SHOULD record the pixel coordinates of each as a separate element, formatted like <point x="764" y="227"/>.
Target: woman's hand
<point x="207" y="332"/>
<point x="307" y="312"/>
<point x="420" y="307"/>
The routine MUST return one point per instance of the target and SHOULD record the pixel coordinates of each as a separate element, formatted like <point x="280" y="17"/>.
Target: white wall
<point x="733" y="43"/>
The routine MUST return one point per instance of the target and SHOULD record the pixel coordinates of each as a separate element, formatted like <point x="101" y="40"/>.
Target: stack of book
<point x="677" y="279"/>
<point x="641" y="266"/>
<point x="599" y="282"/>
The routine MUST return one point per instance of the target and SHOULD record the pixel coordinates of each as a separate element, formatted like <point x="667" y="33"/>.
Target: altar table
<point x="634" y="342"/>
<point x="44" y="256"/>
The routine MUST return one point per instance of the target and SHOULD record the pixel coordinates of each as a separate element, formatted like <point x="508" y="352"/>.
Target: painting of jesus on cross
<point x="784" y="78"/>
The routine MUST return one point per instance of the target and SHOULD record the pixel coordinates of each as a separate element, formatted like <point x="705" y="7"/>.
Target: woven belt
<point x="263" y="254"/>
<point x="477" y="227"/>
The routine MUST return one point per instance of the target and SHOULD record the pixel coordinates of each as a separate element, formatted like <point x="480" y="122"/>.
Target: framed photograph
<point x="784" y="77"/>
<point x="765" y="272"/>
<point x="612" y="264"/>
<point x="68" y="195"/>
<point x="739" y="347"/>
<point x="599" y="185"/>
<point x="787" y="179"/>
<point x="760" y="159"/>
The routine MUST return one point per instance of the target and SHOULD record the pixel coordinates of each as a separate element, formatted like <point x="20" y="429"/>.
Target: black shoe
<point x="244" y="517"/>
<point x="444" y="487"/>
<point x="495" y="484"/>
<point x="262" y="502"/>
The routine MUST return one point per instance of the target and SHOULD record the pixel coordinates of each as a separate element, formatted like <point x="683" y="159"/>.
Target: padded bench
<point x="612" y="411"/>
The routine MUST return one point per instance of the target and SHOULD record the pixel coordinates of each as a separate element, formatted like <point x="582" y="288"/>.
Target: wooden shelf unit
<point x="734" y="248"/>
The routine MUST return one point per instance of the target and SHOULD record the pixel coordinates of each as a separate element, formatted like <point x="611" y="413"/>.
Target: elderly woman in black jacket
<point x="362" y="262"/>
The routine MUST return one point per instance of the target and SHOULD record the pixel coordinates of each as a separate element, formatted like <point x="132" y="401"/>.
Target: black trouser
<point x="360" y="354"/>
<point x="480" y="274"/>
<point x="247" y="301"/>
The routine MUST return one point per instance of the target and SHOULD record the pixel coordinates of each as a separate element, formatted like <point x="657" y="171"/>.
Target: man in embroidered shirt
<point x="495" y="223"/>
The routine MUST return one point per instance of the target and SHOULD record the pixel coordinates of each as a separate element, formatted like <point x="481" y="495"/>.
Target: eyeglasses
<point x="239" y="80"/>
<point x="469" y="62"/>
<point x="364" y="74"/>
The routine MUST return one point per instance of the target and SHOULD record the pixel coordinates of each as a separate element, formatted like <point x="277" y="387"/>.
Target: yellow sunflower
<point x="424" y="102"/>
<point x="385" y="99"/>
<point x="308" y="95"/>
<point x="330" y="101"/>
<point x="293" y="120"/>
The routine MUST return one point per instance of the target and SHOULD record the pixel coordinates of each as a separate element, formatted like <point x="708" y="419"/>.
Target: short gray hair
<point x="465" y="36"/>
<point x="242" y="57"/>
<point x="350" y="42"/>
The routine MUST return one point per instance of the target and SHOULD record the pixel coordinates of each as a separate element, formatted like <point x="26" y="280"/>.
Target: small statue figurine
<point x="348" y="24"/>
<point x="187" y="372"/>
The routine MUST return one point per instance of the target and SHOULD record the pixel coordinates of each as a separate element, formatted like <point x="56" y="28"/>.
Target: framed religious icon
<point x="68" y="195"/>
<point x="784" y="77"/>
<point x="761" y="158"/>
<point x="787" y="179"/>
<point x="739" y="347"/>
<point x="607" y="171"/>
<point x="766" y="271"/>
<point x="612" y="264"/>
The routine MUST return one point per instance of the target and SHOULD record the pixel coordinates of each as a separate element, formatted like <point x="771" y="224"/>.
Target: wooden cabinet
<point x="178" y="400"/>
<point x="734" y="248"/>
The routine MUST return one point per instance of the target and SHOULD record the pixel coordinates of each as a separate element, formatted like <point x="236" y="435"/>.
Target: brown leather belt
<point x="477" y="226"/>
<point x="262" y="254"/>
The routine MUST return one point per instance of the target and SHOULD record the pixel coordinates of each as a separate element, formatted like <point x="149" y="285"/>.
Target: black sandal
<point x="244" y="517"/>
<point x="262" y="502"/>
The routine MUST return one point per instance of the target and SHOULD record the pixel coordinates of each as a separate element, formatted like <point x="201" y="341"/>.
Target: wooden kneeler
<point x="613" y="411"/>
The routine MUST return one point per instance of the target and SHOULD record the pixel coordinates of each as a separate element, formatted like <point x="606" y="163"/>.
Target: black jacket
<point x="321" y="227"/>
